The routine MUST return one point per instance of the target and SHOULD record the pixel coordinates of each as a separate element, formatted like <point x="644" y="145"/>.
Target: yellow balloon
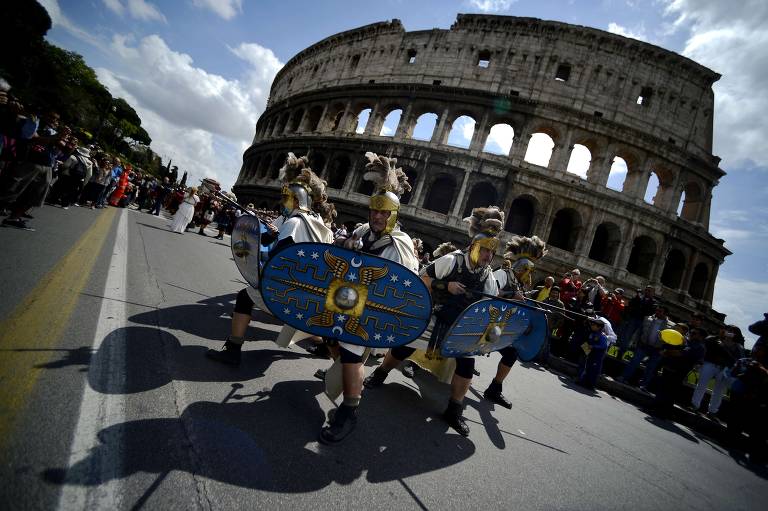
<point x="672" y="337"/>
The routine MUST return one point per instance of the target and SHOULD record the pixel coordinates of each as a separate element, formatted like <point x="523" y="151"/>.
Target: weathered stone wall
<point x="577" y="85"/>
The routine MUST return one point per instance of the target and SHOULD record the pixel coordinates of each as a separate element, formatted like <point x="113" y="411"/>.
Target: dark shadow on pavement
<point x="267" y="441"/>
<point x="671" y="427"/>
<point x="572" y="385"/>
<point x="155" y="227"/>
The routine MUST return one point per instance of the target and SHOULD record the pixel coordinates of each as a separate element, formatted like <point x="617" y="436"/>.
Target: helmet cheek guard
<point x="523" y="270"/>
<point x="294" y="196"/>
<point x="386" y="201"/>
<point x="481" y="241"/>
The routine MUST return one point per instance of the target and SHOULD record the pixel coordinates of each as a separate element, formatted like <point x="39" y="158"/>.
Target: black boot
<point x="453" y="416"/>
<point x="409" y="369"/>
<point x="229" y="354"/>
<point x="376" y="379"/>
<point x="318" y="350"/>
<point x="340" y="425"/>
<point x="494" y="395"/>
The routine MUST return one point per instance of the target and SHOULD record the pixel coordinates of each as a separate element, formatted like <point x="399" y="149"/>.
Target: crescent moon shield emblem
<point x="337" y="330"/>
<point x="356" y="262"/>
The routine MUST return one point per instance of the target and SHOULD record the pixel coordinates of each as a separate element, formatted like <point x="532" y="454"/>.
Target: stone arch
<point x="642" y="256"/>
<point x="266" y="164"/>
<point x="274" y="172"/>
<point x="336" y="117"/>
<point x="391" y="122"/>
<point x="295" y="122"/>
<point x="362" y="119"/>
<point x="579" y="160"/>
<point x="413" y="176"/>
<point x="659" y="189"/>
<point x="424" y="127"/>
<point x="441" y="193"/>
<point x="500" y="139"/>
<point x="617" y="174"/>
<point x="674" y="268"/>
<point x="539" y="150"/>
<point x="699" y="281"/>
<point x="253" y="168"/>
<point x="521" y="215"/>
<point x="269" y="127"/>
<point x="565" y="230"/>
<point x="317" y="162"/>
<point x="280" y="125"/>
<point x="605" y="244"/>
<point x="462" y="131"/>
<point x="337" y="173"/>
<point x="312" y="121"/>
<point x="482" y="194"/>
<point x="691" y="202"/>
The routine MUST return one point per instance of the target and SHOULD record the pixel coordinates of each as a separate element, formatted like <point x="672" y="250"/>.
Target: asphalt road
<point x="109" y="403"/>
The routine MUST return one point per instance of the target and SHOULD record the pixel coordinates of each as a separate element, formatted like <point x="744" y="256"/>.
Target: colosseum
<point x="630" y="113"/>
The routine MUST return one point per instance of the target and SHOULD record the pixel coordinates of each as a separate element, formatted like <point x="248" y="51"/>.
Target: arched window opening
<point x="563" y="72"/>
<point x="276" y="165"/>
<point x="539" y="149"/>
<point x="484" y="58"/>
<point x="354" y="62"/>
<point x="461" y="132"/>
<point x="425" y="126"/>
<point x="699" y="281"/>
<point x="412" y="177"/>
<point x="605" y="244"/>
<point x="293" y="126"/>
<point x="565" y="229"/>
<point x="499" y="139"/>
<point x="642" y="256"/>
<point x="365" y="187"/>
<point x="691" y="206"/>
<point x="482" y="194"/>
<point x="652" y="188"/>
<point x="362" y="120"/>
<point x="317" y="162"/>
<point x="411" y="56"/>
<point x="280" y="126"/>
<point x="617" y="174"/>
<point x="337" y="173"/>
<point x="520" y="218"/>
<point x="266" y="164"/>
<point x="579" y="161"/>
<point x="440" y="196"/>
<point x="680" y="204"/>
<point x="313" y="120"/>
<point x="674" y="267"/>
<point x="391" y="122"/>
<point x="253" y="169"/>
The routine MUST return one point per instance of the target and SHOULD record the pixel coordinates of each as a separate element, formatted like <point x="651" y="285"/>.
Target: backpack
<point x="78" y="170"/>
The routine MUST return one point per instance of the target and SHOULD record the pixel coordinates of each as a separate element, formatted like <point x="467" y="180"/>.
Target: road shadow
<point x="166" y="229"/>
<point x="670" y="426"/>
<point x="569" y="384"/>
<point x="149" y="358"/>
<point x="209" y="318"/>
<point x="267" y="441"/>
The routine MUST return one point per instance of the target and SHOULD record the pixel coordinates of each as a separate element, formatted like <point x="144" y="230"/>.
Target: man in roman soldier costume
<point x="382" y="237"/>
<point x="305" y="213"/>
<point x="452" y="279"/>
<point x="514" y="278"/>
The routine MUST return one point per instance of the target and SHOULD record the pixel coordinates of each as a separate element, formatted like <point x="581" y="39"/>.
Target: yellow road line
<point x="39" y="320"/>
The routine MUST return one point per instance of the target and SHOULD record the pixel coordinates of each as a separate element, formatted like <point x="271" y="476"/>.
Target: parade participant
<point x="382" y="237"/>
<point x="514" y="278"/>
<point x="452" y="278"/>
<point x="302" y="190"/>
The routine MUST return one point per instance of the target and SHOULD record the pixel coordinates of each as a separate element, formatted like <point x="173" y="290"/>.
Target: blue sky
<point x="198" y="72"/>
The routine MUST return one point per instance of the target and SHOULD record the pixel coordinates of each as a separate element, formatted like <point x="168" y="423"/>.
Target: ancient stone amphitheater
<point x="459" y="109"/>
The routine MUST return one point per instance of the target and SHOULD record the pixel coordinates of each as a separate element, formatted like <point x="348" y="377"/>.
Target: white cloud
<point x="638" y="33"/>
<point x="115" y="6"/>
<point x="138" y="9"/>
<point x="227" y="9"/>
<point x="743" y="301"/>
<point x="58" y="18"/>
<point x="200" y="119"/>
<point x="579" y="161"/>
<point x="492" y="5"/>
<point x="500" y="139"/>
<point x="539" y="149"/>
<point x="730" y="38"/>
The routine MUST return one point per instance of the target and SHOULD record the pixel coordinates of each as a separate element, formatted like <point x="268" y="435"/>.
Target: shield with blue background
<point x="342" y="294"/>
<point x="492" y="324"/>
<point x="247" y="250"/>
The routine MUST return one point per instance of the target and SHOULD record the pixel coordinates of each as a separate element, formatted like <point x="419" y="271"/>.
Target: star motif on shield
<point x="299" y="316"/>
<point x="377" y="336"/>
<point x="390" y="338"/>
<point x="300" y="253"/>
<point x="315" y="255"/>
<point x="483" y="309"/>
<point x="407" y="283"/>
<point x="341" y="318"/>
<point x="393" y="278"/>
<point x="351" y="276"/>
<point x="477" y="309"/>
<point x="286" y="310"/>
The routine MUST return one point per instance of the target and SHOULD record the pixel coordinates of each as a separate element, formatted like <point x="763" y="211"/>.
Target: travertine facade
<point x="581" y="87"/>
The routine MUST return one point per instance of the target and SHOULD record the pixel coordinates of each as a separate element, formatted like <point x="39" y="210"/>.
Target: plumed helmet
<point x="484" y="225"/>
<point x="390" y="183"/>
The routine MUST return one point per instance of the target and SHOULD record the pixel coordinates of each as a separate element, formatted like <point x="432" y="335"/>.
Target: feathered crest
<point x="297" y="171"/>
<point x="488" y="221"/>
<point x="444" y="248"/>
<point x="385" y="175"/>
<point x="418" y="246"/>
<point x="533" y="248"/>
